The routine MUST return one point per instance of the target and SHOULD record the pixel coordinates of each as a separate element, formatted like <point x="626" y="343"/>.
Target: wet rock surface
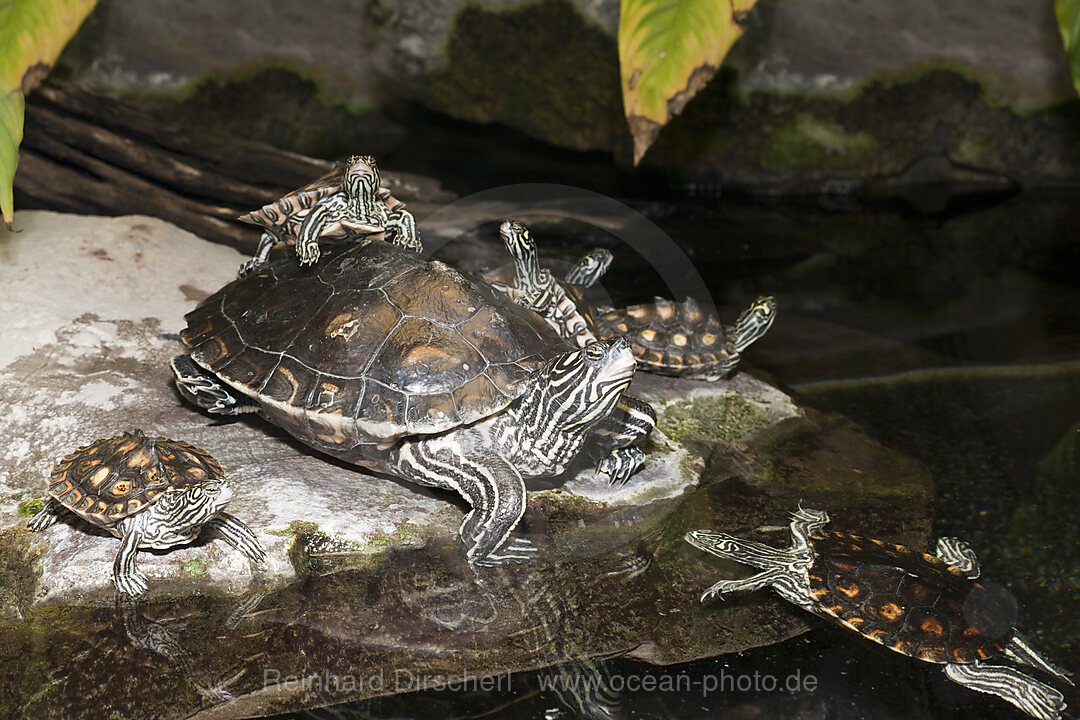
<point x="365" y="575"/>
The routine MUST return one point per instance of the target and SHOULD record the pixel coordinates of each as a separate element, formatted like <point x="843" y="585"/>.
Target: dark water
<point x="953" y="336"/>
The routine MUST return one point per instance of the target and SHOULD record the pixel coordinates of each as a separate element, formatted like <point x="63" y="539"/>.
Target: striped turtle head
<point x="590" y="268"/>
<point x="192" y="506"/>
<point x="522" y="249"/>
<point x="753" y="322"/>
<point x="582" y="387"/>
<point x="362" y="178"/>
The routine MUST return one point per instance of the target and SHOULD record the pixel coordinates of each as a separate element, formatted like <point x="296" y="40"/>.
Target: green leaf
<point x="32" y="34"/>
<point x="1068" y="16"/>
<point x="668" y="51"/>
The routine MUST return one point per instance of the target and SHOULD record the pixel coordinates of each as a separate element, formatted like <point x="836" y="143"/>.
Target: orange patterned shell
<point x="911" y="602"/>
<point x="109" y="480"/>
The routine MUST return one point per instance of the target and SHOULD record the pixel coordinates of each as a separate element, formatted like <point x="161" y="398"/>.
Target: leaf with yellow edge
<point x="668" y="51"/>
<point x="1068" y="16"/>
<point x="32" y="34"/>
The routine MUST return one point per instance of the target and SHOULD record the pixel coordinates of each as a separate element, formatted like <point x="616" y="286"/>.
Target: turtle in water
<point x="408" y="367"/>
<point x="346" y="203"/>
<point x="931" y="607"/>
<point x="150" y="493"/>
<point x="666" y="337"/>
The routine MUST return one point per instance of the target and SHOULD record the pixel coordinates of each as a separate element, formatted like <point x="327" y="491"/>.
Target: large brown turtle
<point x="346" y="203"/>
<point x="149" y="492"/>
<point x="406" y="366"/>
<point x="666" y="337"/>
<point x="931" y="607"/>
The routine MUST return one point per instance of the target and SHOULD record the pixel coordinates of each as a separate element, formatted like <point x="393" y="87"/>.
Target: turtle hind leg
<point x="1037" y="699"/>
<point x="489" y="482"/>
<point x="206" y="392"/>
<point x="261" y="256"/>
<point x="630" y="423"/>
<point x="1020" y="651"/>
<point x="46" y="517"/>
<point x="958" y="554"/>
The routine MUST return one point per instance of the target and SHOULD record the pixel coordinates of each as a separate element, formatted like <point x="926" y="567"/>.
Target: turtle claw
<point x="248" y="267"/>
<point x="720" y="589"/>
<point x="308" y="253"/>
<point x="620" y="464"/>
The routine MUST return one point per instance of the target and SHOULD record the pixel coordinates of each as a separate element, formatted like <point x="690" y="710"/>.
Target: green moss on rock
<point x="808" y="140"/>
<point x="19" y="573"/>
<point x="710" y="418"/>
<point x="31" y="508"/>
<point x="543" y="68"/>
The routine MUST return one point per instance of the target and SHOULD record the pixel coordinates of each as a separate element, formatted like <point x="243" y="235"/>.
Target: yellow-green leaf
<point x="1068" y="16"/>
<point x="668" y="50"/>
<point x="32" y="34"/>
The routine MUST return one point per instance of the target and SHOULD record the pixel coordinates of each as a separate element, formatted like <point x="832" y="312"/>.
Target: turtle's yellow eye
<point x="211" y="488"/>
<point x="594" y="352"/>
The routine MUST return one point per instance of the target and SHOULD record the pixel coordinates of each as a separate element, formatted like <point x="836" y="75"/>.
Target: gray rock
<point x="98" y="303"/>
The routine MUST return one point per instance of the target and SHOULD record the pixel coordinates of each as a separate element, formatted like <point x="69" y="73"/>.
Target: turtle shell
<point x="109" y="480"/>
<point x="371" y="344"/>
<point x="283" y="217"/>
<point x="911" y="602"/>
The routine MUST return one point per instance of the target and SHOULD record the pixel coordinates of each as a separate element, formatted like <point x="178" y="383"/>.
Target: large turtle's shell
<point x="284" y="216"/>
<point x="371" y="344"/>
<point x="109" y="480"/>
<point x="909" y="601"/>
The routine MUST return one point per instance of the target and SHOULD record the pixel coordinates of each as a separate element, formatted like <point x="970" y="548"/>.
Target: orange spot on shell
<point x="891" y="611"/>
<point x="99" y="476"/>
<point x="932" y="626"/>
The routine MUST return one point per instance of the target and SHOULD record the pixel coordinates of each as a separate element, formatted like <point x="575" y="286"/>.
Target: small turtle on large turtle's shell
<point x="150" y="493"/>
<point x="667" y="338"/>
<point x="348" y="203"/>
<point x="406" y="366"/>
<point x="930" y="607"/>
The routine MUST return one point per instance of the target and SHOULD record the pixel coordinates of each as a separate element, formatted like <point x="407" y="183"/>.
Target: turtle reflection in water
<point x="149" y="492"/>
<point x="930" y="607"/>
<point x="406" y="366"/>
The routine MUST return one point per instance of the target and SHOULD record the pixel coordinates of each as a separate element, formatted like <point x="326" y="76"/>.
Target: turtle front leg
<point x="401" y="230"/>
<point x="630" y="423"/>
<point x="261" y="256"/>
<point x="325" y="212"/>
<point x="126" y="575"/>
<point x="46" y="517"/>
<point x="1037" y="699"/>
<point x="767" y="578"/>
<point x="488" y="481"/>
<point x="238" y="535"/>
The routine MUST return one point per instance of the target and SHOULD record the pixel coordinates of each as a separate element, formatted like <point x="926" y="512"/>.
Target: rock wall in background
<point x="817" y="96"/>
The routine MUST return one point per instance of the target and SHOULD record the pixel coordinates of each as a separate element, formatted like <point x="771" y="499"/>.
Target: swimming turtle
<point x="150" y="493"/>
<point x="931" y="607"/>
<point x="666" y="337"/>
<point x="406" y="366"/>
<point x="346" y="203"/>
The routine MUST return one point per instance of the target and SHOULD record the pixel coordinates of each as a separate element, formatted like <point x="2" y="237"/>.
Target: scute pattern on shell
<point x="372" y="343"/>
<point x="109" y="480"/>
<point x="911" y="602"/>
<point x="677" y="338"/>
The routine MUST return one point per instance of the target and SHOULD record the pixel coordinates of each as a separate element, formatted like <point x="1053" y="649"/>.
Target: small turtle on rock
<point x="929" y="607"/>
<point x="667" y="338"/>
<point x="347" y="203"/>
<point x="150" y="493"/>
